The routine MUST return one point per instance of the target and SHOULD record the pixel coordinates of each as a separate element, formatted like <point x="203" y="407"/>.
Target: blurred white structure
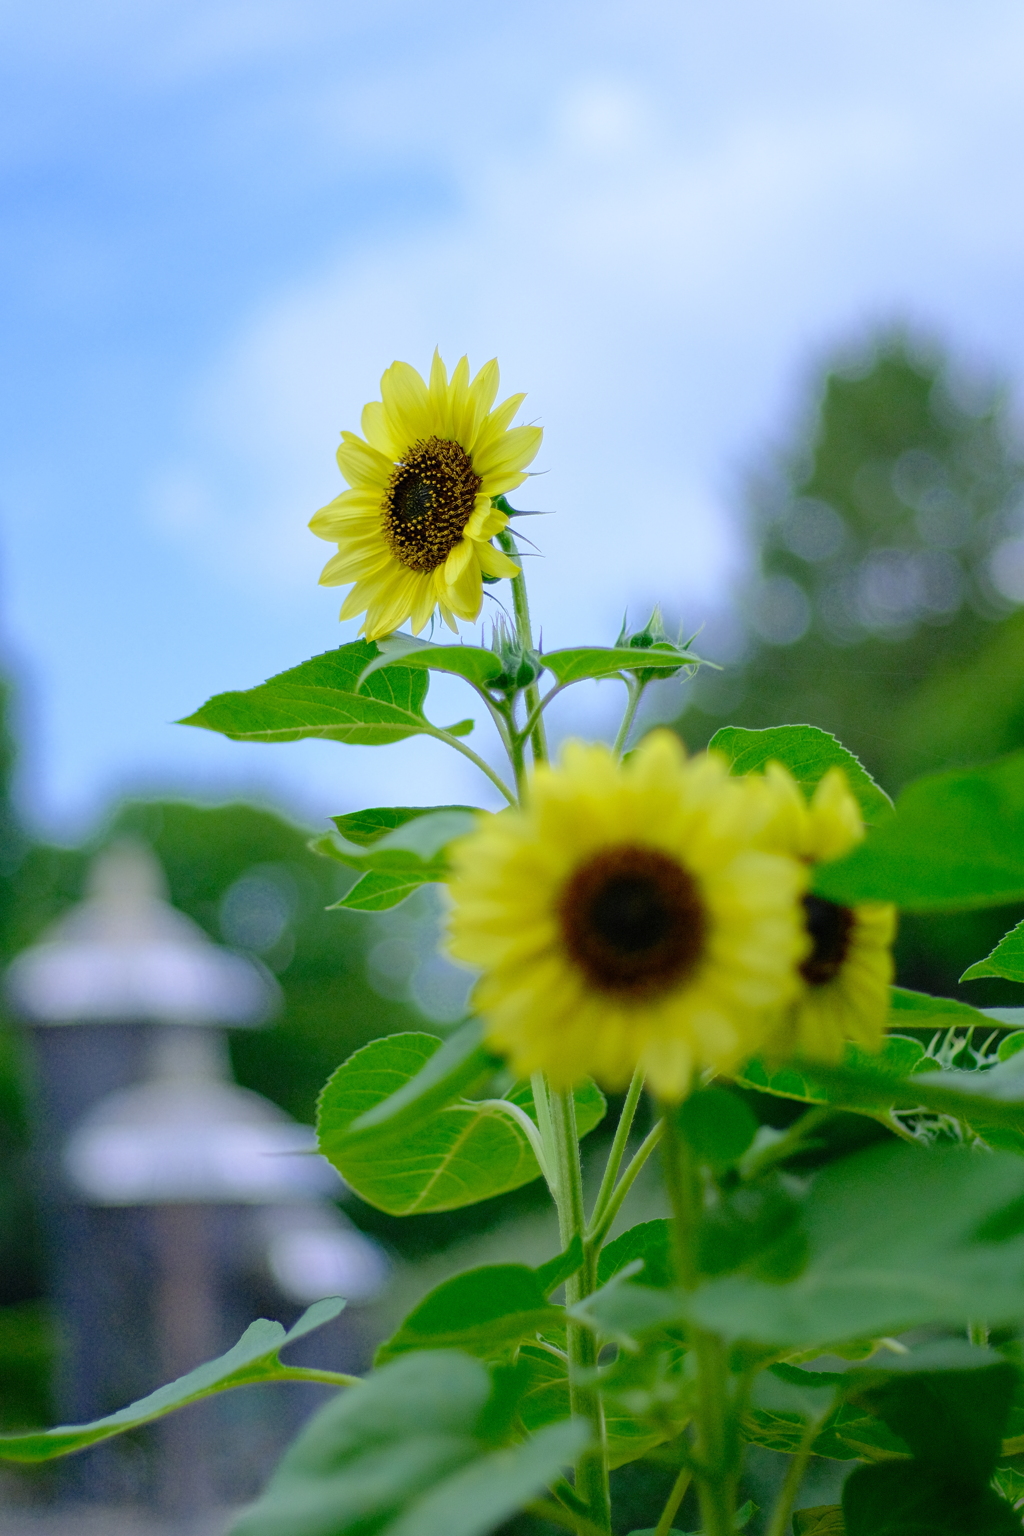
<point x="177" y="1204"/>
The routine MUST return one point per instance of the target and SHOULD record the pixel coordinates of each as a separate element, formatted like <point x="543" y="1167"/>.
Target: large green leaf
<point x="595" y="661"/>
<point x="1007" y="959"/>
<point x="321" y="698"/>
<point x="482" y="1311"/>
<point x="897" y="1237"/>
<point x="408" y="1453"/>
<point x="398" y="861"/>
<point x="481" y="667"/>
<point x="438" y="1151"/>
<point x="808" y="753"/>
<point x="254" y="1358"/>
<point x="956" y="842"/>
<point x="899" y="1059"/>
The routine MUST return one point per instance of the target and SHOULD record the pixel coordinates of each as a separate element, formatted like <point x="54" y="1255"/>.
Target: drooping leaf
<point x="897" y="1237"/>
<point x="594" y="661"/>
<point x="808" y="753"/>
<point x="1007" y="959"/>
<point x="369" y="826"/>
<point x="472" y="662"/>
<point x="482" y="1311"/>
<point x="399" y="861"/>
<point x="955" y="843"/>
<point x="429" y="1149"/>
<point x="254" y="1358"/>
<point x="407" y="1453"/>
<point x="320" y="698"/>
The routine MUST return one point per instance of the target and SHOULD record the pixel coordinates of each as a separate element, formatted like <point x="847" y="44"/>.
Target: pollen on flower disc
<point x="428" y="502"/>
<point x="633" y="921"/>
<point x="830" y="927"/>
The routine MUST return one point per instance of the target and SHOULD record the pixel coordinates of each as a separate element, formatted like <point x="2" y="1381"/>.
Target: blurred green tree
<point x="884" y="602"/>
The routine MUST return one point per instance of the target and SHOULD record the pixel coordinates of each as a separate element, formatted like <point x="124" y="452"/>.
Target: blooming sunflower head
<point x="847" y="967"/>
<point x="414" y="530"/>
<point x="623" y="917"/>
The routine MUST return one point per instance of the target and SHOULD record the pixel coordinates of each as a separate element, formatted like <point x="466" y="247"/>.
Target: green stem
<point x="524" y="632"/>
<point x="584" y="1400"/>
<point x="792" y="1480"/>
<point x="714" y="1451"/>
<point x="789" y="1143"/>
<point x="304" y="1373"/>
<point x="547" y="1509"/>
<point x="673" y="1502"/>
<point x="599" y="1228"/>
<point x="460" y="746"/>
<point x="636" y="689"/>
<point x="618" y="1146"/>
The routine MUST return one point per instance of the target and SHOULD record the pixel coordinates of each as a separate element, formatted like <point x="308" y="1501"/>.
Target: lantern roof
<point x="125" y="955"/>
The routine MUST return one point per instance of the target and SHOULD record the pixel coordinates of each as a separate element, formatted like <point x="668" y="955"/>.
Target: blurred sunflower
<point x="624" y="918"/>
<point x="414" y="530"/>
<point x="848" y="967"/>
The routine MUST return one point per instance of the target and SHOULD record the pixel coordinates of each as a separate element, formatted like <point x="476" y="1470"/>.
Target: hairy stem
<point x="635" y="688"/>
<point x="599" y="1227"/>
<point x="592" y="1467"/>
<point x="673" y="1502"/>
<point x="715" y="1451"/>
<point x="460" y="746"/>
<point x="618" y="1147"/>
<point x="524" y="633"/>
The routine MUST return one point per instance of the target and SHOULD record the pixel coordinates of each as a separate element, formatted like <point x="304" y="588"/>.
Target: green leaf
<point x="898" y="1060"/>
<point x="406" y="1453"/>
<point x="908" y="1499"/>
<point x="896" y="1238"/>
<point x="1007" y="959"/>
<point x="595" y="661"/>
<point x="482" y="1311"/>
<point x="917" y="1010"/>
<point x="808" y="753"/>
<point x="955" y="843"/>
<point x="478" y="666"/>
<point x="649" y="1241"/>
<point x="367" y="827"/>
<point x="391" y="1121"/>
<point x="320" y="698"/>
<point x="821" y="1520"/>
<point x="399" y="861"/>
<point x="718" y="1125"/>
<point x="545" y="1400"/>
<point x="253" y="1359"/>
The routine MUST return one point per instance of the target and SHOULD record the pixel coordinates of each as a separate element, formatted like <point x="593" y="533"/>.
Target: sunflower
<point x="847" y="968"/>
<point x="623" y="918"/>
<point x="414" y="530"/>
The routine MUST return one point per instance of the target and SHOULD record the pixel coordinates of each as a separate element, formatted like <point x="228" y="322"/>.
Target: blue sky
<point x="223" y="220"/>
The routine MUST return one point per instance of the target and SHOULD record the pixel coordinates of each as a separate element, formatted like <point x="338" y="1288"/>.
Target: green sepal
<point x="255" y="1358"/>
<point x="808" y="753"/>
<point x="410" y="1452"/>
<point x="322" y="698"/>
<point x="956" y="843"/>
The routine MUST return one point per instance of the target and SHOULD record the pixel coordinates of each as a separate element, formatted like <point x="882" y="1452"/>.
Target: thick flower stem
<point x="714" y="1450"/>
<point x="524" y="634"/>
<point x="585" y="1402"/>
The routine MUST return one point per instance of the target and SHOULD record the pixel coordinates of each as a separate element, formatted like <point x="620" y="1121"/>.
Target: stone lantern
<point x="177" y="1206"/>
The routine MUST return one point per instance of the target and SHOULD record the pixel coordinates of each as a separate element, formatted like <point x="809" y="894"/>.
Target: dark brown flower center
<point x="830" y="927"/>
<point x="428" y="502"/>
<point x="633" y="921"/>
